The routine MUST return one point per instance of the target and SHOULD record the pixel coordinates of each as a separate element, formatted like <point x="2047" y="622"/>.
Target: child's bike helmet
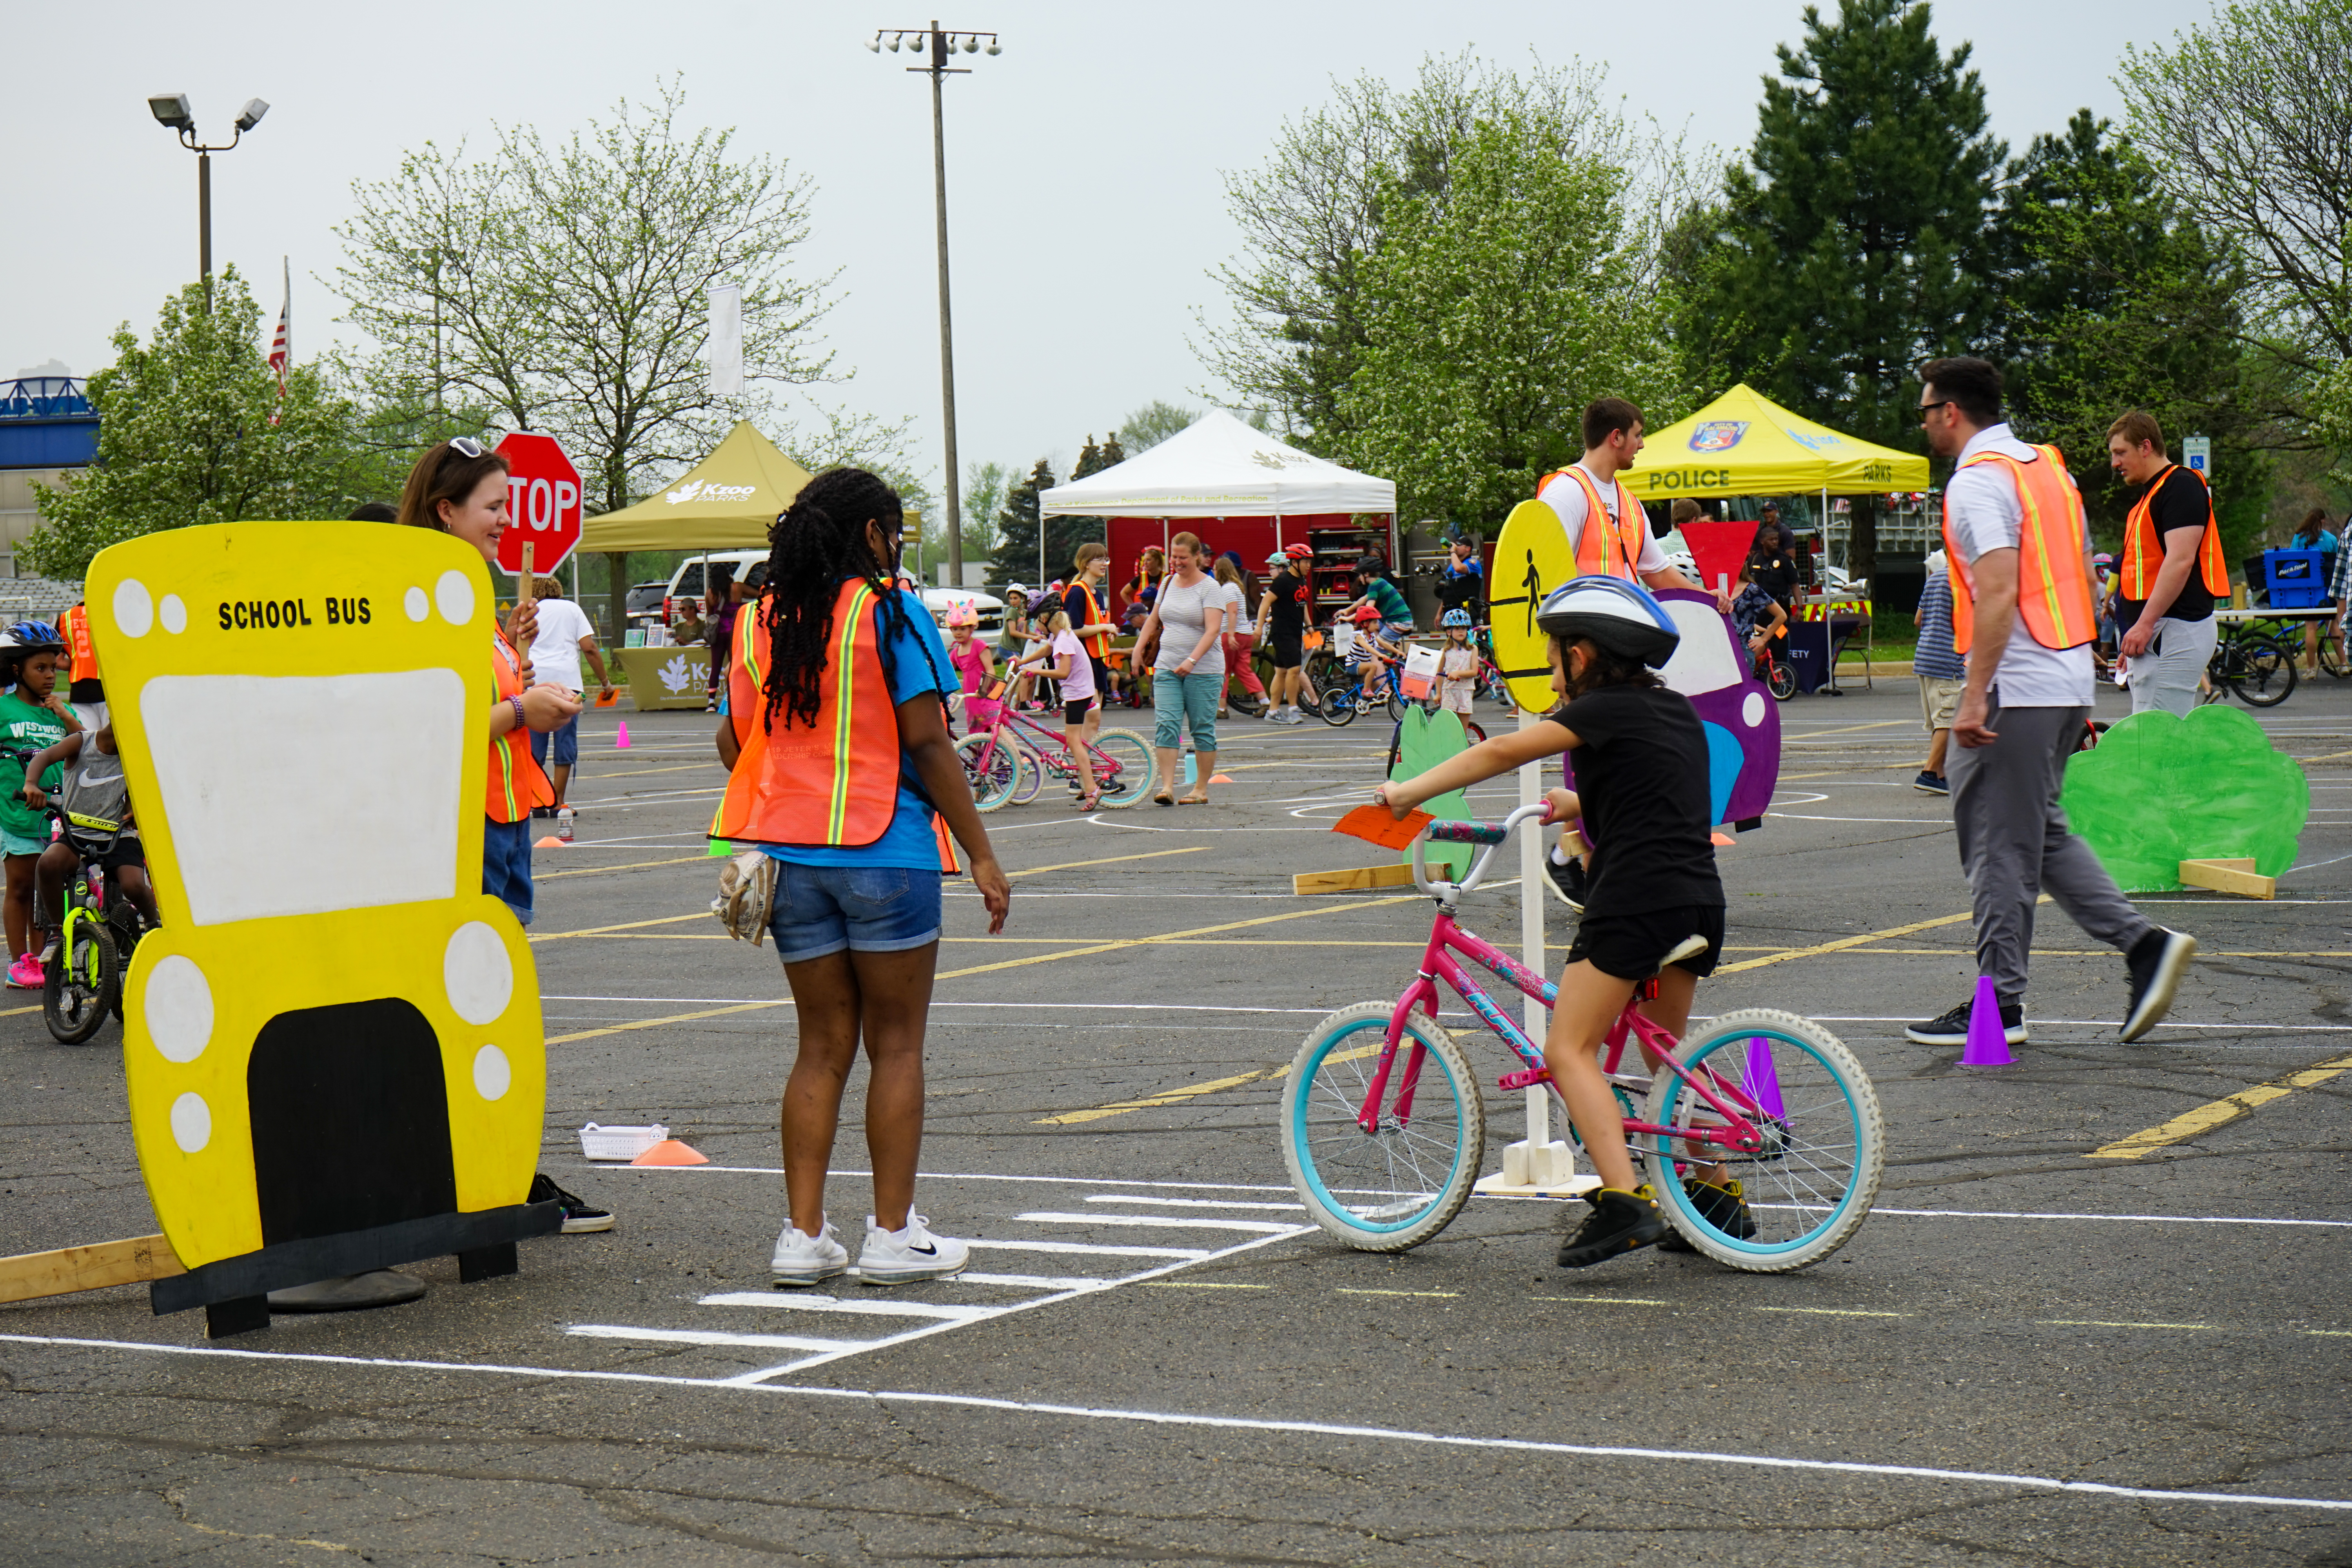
<point x="1618" y="616"/>
<point x="1454" y="620"/>
<point x="961" y="615"/>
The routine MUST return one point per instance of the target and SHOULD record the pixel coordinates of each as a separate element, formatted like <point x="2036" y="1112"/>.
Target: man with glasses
<point x="2027" y="637"/>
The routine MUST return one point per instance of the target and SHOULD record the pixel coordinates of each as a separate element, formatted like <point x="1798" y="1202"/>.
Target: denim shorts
<point x="506" y="865"/>
<point x="564" y="742"/>
<point x="820" y="910"/>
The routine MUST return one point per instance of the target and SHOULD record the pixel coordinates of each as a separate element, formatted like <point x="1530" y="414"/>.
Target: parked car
<point x="685" y="583"/>
<point x="990" y="609"/>
<point x="644" y="601"/>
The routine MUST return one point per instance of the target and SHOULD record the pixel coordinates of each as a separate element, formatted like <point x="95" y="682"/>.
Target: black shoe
<point x="543" y="811"/>
<point x="1724" y="1207"/>
<point x="1934" y="784"/>
<point x="2155" y="962"/>
<point x="1952" y="1028"/>
<point x="1567" y="882"/>
<point x="1620" y="1222"/>
<point x="580" y="1216"/>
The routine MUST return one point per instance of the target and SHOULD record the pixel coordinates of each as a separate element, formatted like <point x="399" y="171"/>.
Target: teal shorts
<point x="13" y="843"/>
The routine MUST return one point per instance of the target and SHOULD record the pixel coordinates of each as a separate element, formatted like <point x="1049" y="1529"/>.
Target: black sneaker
<point x="1620" y="1222"/>
<point x="1724" y="1207"/>
<point x="1934" y="784"/>
<point x="2155" y="962"/>
<point x="580" y="1216"/>
<point x="1952" y="1028"/>
<point x="1567" y="882"/>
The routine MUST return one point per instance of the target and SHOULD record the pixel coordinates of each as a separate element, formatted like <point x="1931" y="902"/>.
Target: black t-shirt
<point x="1641" y="775"/>
<point x="2180" y="502"/>
<point x="1293" y="595"/>
<point x="1774" y="570"/>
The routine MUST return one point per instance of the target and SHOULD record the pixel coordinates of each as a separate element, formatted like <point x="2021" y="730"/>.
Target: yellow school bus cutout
<point x="333" y="1047"/>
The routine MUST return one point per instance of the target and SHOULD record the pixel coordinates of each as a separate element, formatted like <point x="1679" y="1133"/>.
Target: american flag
<point x="281" y="342"/>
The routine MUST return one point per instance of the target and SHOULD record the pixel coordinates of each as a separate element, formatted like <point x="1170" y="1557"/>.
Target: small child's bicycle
<point x="1007" y="755"/>
<point x="1384" y="1127"/>
<point x="102" y="928"/>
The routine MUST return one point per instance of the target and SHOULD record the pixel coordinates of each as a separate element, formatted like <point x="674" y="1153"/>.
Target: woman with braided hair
<point x="841" y="768"/>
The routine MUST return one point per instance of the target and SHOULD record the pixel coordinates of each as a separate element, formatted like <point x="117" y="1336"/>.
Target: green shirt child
<point x="26" y="727"/>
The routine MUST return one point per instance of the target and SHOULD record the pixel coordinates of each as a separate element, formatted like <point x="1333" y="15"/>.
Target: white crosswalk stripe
<point x="1123" y="1264"/>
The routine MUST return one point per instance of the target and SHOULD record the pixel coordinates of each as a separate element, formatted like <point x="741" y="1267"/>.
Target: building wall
<point x="20" y="509"/>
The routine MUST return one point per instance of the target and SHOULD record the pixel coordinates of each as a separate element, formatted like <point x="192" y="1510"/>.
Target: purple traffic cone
<point x="1987" y="1043"/>
<point x="621" y="740"/>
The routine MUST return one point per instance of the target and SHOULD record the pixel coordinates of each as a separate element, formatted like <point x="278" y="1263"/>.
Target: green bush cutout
<point x="2159" y="789"/>
<point x="1428" y="740"/>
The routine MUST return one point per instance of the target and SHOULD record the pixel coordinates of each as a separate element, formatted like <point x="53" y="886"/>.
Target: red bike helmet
<point x="1299" y="552"/>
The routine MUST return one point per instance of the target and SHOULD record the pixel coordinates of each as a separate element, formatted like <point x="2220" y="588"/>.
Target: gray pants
<point x="2166" y="676"/>
<point x="2014" y="842"/>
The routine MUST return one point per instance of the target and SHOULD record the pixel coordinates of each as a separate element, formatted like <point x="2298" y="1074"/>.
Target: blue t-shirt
<point x="1936" y="659"/>
<point x="910" y="841"/>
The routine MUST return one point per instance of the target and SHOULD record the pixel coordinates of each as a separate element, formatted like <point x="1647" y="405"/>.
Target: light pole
<point x="939" y="46"/>
<point x="173" y="112"/>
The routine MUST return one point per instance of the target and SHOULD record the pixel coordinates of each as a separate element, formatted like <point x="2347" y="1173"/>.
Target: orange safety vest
<point x="2053" y="585"/>
<point x="85" y="652"/>
<point x="1097" y="645"/>
<point x="1626" y="531"/>
<point x="2141" y="546"/>
<point x="515" y="782"/>
<point x="834" y="782"/>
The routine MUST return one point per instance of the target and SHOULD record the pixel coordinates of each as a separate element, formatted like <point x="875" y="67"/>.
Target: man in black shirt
<point x="2170" y="573"/>
<point x="1772" y="561"/>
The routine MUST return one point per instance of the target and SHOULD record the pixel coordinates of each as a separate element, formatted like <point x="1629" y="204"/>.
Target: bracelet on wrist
<point x="520" y="723"/>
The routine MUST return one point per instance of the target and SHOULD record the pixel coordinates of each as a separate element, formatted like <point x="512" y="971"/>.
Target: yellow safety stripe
<point x="844" y="716"/>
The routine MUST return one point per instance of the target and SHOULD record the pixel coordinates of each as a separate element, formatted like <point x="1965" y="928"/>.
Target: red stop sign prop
<point x="542" y="503"/>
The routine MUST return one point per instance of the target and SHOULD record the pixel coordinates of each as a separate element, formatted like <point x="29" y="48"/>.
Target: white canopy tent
<point x="1219" y="467"/>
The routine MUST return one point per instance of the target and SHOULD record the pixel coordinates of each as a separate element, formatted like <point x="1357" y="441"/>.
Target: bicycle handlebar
<point x="1491" y="833"/>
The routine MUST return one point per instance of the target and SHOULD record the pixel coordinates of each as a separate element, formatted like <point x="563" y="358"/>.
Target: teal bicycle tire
<point x="1815" y="1187"/>
<point x="1136" y="767"/>
<point x="1417" y="1177"/>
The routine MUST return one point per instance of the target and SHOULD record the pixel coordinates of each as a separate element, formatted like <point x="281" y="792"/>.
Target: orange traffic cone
<point x="549" y="842"/>
<point x="670" y="1152"/>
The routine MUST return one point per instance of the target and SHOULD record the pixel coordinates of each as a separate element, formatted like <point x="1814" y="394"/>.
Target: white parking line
<point x="1191" y="1202"/>
<point x="1671" y="1457"/>
<point x="1161" y="1222"/>
<point x="792" y="1300"/>
<point x="1190" y="1254"/>
<point x="713" y="1336"/>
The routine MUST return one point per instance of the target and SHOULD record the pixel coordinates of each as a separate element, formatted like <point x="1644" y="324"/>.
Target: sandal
<point x="1193" y="800"/>
<point x="1163" y="798"/>
<point x="1087" y="803"/>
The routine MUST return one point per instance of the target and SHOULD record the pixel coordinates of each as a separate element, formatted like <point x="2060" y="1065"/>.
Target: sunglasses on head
<point x="461" y="447"/>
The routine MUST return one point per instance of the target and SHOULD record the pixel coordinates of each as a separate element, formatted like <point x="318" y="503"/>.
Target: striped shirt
<point x="1936" y="659"/>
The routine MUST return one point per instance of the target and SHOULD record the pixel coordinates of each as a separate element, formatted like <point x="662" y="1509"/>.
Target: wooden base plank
<point x="1352" y="881"/>
<point x="32" y="1275"/>
<point x="2233" y="876"/>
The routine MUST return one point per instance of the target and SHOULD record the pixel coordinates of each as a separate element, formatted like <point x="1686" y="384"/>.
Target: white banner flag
<point x="726" y="340"/>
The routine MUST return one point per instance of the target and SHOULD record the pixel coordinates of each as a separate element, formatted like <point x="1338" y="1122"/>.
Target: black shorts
<point x="1076" y="712"/>
<point x="1284" y="648"/>
<point x="1102" y="673"/>
<point x="126" y="850"/>
<point x="1630" y="946"/>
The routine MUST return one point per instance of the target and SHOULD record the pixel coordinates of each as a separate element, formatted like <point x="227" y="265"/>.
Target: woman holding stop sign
<point x="460" y="488"/>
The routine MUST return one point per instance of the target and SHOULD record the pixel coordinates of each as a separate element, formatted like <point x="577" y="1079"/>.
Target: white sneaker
<point x="801" y="1260"/>
<point x="902" y="1256"/>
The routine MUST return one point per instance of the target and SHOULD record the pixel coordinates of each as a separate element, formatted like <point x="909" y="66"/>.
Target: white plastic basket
<point x="621" y="1144"/>
<point x="1420" y="672"/>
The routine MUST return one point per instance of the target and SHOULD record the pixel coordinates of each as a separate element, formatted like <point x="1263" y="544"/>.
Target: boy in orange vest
<point x="2020" y="570"/>
<point x="2171" y="571"/>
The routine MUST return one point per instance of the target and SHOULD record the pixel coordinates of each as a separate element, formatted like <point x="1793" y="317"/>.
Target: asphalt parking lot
<point x="2029" y="1354"/>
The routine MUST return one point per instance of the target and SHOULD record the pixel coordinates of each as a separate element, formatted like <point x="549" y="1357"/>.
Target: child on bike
<point x="32" y="717"/>
<point x="1640" y="763"/>
<point x="974" y="666"/>
<point x="1757" y="615"/>
<point x="1074" y="673"/>
<point x="94" y="802"/>
<point x="1385" y="619"/>
<point x="1457" y="664"/>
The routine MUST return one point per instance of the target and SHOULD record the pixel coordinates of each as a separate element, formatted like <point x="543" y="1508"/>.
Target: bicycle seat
<point x="1689" y="947"/>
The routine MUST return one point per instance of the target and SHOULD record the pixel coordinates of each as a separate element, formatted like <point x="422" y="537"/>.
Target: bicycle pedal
<point x="1525" y="1078"/>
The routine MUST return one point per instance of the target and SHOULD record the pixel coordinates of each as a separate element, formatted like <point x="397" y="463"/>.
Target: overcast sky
<point x="1085" y="207"/>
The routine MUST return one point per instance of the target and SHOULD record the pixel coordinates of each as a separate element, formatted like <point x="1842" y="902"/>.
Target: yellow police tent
<point x="1744" y="444"/>
<point x="726" y="502"/>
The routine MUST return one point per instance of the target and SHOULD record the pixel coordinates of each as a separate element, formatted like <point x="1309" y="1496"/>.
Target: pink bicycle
<point x="1384" y="1124"/>
<point x="1007" y="756"/>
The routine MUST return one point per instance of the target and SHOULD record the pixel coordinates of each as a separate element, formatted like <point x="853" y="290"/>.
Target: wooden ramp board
<point x="1352" y="879"/>
<point x="31" y="1275"/>
<point x="2235" y="876"/>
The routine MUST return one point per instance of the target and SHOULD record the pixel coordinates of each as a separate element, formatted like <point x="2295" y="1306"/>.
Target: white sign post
<point x="1539" y="1165"/>
<point x="2197" y="456"/>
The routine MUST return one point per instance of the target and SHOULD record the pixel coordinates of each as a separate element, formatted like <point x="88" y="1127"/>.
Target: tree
<point x="1498" y="306"/>
<point x="1315" y="212"/>
<point x="2249" y="122"/>
<point x="191" y="430"/>
<point x="2112" y="297"/>
<point x="1854" y="243"/>
<point x="984" y="489"/>
<point x="1016" y="529"/>
<point x="1152" y="424"/>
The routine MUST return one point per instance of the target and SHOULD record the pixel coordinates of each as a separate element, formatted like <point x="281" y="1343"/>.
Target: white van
<point x="685" y="583"/>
